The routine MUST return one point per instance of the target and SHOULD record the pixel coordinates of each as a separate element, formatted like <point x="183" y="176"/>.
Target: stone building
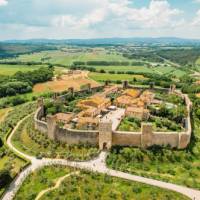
<point x="137" y="112"/>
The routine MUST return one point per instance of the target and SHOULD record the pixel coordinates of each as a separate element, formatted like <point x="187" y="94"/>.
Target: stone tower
<point x="51" y="127"/>
<point x="172" y="88"/>
<point x="105" y="135"/>
<point x="125" y="84"/>
<point x="107" y="82"/>
<point x="71" y="91"/>
<point x="89" y="87"/>
<point x="40" y="104"/>
<point x="147" y="135"/>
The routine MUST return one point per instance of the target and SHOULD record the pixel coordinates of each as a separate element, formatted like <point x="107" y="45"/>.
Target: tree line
<point x="23" y="82"/>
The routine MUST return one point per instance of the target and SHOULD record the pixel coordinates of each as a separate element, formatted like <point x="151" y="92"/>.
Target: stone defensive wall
<point x="66" y="135"/>
<point x="39" y="124"/>
<point x="146" y="137"/>
<point x="71" y="136"/>
<point x="105" y="137"/>
<point x="93" y="89"/>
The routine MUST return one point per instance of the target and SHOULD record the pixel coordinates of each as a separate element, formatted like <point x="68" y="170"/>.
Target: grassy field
<point x="114" y="77"/>
<point x="3" y="113"/>
<point x="28" y="140"/>
<point x="68" y="57"/>
<point x="143" y="69"/>
<point x="17" y="163"/>
<point x="14" y="163"/>
<point x="40" y="180"/>
<point x="86" y="185"/>
<point x="6" y="69"/>
<point x="198" y="61"/>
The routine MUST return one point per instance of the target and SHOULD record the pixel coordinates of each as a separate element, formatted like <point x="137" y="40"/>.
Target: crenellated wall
<point x="105" y="137"/>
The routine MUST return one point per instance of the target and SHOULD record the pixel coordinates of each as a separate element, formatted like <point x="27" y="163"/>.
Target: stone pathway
<point x="95" y="165"/>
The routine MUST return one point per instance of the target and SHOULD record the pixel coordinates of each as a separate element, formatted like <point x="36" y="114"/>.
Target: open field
<point x="114" y="77"/>
<point x="6" y="69"/>
<point x="68" y="57"/>
<point x="66" y="81"/>
<point x="143" y="69"/>
<point x="86" y="185"/>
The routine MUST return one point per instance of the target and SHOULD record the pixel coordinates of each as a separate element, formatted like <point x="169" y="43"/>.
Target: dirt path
<point x="57" y="185"/>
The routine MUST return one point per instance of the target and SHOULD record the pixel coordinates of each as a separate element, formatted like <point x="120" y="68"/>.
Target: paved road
<point x="115" y="117"/>
<point x="96" y="165"/>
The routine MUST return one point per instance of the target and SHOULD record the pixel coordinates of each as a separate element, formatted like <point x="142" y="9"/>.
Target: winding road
<point x="97" y="165"/>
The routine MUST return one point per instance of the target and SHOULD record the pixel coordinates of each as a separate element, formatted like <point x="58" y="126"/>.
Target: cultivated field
<point x="65" y="82"/>
<point x="114" y="77"/>
<point x="68" y="56"/>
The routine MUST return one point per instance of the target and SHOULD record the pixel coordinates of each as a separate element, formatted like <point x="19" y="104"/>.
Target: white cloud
<point x="196" y="20"/>
<point x="159" y="14"/>
<point x="93" y="18"/>
<point x="3" y="2"/>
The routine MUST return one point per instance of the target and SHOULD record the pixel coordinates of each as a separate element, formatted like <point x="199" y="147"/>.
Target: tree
<point x="5" y="178"/>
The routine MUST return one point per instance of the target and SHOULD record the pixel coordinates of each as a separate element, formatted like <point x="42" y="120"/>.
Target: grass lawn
<point x="6" y="69"/>
<point x="35" y="143"/>
<point x="88" y="185"/>
<point x="114" y="77"/>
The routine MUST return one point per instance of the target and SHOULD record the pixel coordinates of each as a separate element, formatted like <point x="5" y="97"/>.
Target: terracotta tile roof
<point x="132" y="93"/>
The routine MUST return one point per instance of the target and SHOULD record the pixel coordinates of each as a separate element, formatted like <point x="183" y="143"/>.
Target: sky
<point x="67" y="19"/>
